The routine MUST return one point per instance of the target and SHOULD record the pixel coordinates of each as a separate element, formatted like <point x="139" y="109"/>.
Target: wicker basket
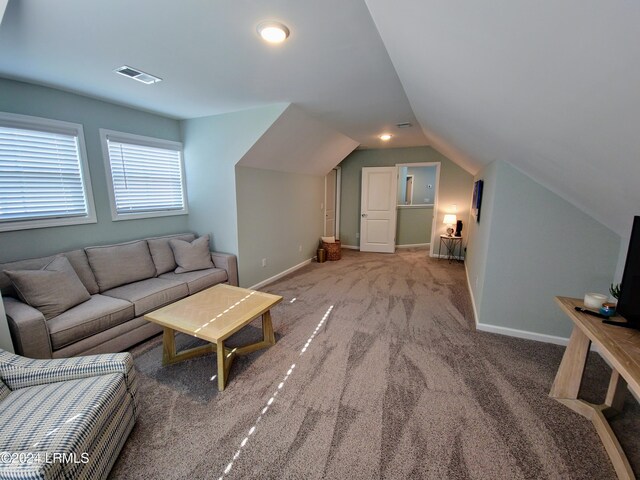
<point x="333" y="250"/>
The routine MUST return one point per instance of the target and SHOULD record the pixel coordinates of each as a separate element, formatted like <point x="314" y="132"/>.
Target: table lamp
<point x="449" y="219"/>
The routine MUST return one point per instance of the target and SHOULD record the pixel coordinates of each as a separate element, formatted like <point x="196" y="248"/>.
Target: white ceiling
<point x="550" y="87"/>
<point x="334" y="65"/>
<point x="553" y="87"/>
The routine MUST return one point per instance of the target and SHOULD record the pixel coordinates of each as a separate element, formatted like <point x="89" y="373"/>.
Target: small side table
<point x="450" y="244"/>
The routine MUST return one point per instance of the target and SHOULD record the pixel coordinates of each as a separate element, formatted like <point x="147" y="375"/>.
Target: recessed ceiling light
<point x="385" y="137"/>
<point x="138" y="75"/>
<point x="273" y="32"/>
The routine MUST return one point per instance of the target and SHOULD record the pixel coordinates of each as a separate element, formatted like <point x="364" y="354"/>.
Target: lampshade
<point x="449" y="219"/>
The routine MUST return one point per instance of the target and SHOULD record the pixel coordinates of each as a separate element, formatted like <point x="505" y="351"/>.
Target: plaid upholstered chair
<point x="64" y="418"/>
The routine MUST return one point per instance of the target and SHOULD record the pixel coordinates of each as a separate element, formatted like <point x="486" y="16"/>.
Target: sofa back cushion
<point x="162" y="254"/>
<point x="52" y="290"/>
<point x="80" y="263"/>
<point x="115" y="265"/>
<point x="192" y="256"/>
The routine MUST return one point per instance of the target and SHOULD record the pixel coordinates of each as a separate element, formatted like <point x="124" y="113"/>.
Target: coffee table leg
<point x="267" y="328"/>
<point x="168" y="345"/>
<point x="222" y="377"/>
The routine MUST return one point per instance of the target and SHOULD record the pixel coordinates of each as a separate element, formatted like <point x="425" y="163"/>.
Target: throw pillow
<point x="192" y="256"/>
<point x="52" y="290"/>
<point x="162" y="254"/>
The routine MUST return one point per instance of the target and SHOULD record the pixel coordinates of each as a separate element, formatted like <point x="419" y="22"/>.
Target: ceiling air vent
<point x="404" y="125"/>
<point x="137" y="75"/>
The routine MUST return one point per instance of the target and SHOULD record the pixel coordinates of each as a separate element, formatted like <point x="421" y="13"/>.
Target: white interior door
<point x="378" y="209"/>
<point x="330" y="204"/>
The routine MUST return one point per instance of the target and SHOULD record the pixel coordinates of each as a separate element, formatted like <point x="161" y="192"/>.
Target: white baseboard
<point x="512" y="332"/>
<point x="473" y="301"/>
<point x="414" y="245"/>
<point x="280" y="275"/>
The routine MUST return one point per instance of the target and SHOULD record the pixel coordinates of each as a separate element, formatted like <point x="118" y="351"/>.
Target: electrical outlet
<point x="299" y="248"/>
<point x="357" y="234"/>
<point x="264" y="262"/>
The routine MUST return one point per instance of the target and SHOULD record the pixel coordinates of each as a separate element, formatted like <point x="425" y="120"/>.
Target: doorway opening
<point x="418" y="186"/>
<point x="408" y="190"/>
<point x="332" y="203"/>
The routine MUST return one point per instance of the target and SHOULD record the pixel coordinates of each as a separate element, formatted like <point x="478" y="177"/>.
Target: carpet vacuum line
<point x="252" y="430"/>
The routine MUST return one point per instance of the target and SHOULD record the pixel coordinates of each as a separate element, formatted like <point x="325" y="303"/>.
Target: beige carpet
<point x="394" y="383"/>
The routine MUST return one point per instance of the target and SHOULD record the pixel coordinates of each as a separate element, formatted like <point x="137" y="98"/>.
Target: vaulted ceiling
<point x="208" y="53"/>
<point x="550" y="87"/>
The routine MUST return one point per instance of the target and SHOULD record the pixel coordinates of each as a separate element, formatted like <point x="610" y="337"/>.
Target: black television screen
<point x="629" y="298"/>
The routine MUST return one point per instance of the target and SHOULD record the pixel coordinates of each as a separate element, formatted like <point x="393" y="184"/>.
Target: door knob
<point x="364" y="214"/>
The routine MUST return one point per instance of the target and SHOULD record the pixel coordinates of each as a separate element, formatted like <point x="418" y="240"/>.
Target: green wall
<point x="212" y="147"/>
<point x="277" y="214"/>
<point x="27" y="99"/>
<point x="479" y="235"/>
<point x="414" y="225"/>
<point x="455" y="185"/>
<point x="530" y="246"/>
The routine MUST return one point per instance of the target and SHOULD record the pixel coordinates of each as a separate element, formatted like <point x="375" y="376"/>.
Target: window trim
<point x="14" y="120"/>
<point x="142" y="140"/>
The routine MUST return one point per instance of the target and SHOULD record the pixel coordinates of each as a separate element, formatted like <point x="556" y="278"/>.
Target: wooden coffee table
<point x="214" y="315"/>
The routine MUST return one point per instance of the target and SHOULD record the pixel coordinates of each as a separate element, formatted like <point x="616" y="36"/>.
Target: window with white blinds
<point x="147" y="176"/>
<point x="44" y="179"/>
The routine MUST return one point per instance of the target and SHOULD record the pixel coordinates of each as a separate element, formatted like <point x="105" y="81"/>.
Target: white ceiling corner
<point x="298" y="143"/>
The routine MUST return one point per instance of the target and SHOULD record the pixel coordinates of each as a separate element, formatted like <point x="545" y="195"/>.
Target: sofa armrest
<point x="227" y="262"/>
<point x="28" y="328"/>
<point x="21" y="372"/>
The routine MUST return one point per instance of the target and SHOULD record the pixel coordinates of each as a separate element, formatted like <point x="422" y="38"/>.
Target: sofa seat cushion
<point x="91" y="416"/>
<point x="198" y="280"/>
<point x="96" y="315"/>
<point x="115" y="265"/>
<point x="150" y="294"/>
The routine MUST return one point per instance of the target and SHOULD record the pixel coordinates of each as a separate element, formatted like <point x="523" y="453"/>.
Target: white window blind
<point x="41" y="174"/>
<point x="146" y="176"/>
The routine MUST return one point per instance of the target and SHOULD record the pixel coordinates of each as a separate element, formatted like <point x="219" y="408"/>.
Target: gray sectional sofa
<point x="123" y="283"/>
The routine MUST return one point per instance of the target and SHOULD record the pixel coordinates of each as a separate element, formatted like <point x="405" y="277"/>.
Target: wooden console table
<point x="621" y="348"/>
